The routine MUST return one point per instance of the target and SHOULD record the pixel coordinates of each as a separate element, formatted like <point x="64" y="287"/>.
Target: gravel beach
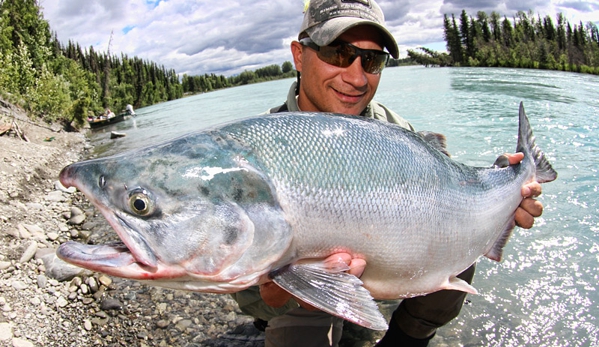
<point x="46" y="302"/>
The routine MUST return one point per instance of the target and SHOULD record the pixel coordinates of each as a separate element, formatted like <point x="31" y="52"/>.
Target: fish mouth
<point x="132" y="257"/>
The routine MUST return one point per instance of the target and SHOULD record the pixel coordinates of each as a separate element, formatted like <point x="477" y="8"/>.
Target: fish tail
<point x="526" y="144"/>
<point x="544" y="172"/>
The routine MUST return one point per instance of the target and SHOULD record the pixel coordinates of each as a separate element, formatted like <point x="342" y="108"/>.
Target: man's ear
<point x="296" y="51"/>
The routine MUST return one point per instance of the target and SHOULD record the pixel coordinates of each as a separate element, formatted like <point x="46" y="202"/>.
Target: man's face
<point x="328" y="88"/>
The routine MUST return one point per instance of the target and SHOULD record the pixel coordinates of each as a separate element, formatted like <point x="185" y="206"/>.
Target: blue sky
<point x="230" y="36"/>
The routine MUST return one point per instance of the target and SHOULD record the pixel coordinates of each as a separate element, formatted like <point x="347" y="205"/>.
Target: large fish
<point x="272" y="196"/>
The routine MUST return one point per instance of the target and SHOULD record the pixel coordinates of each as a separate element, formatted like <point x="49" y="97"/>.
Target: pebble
<point x="87" y="324"/>
<point x="52" y="236"/>
<point x="18" y="285"/>
<point x="21" y="343"/>
<point x="29" y="252"/>
<point x="77" y="220"/>
<point x="55" y="196"/>
<point x="105" y="280"/>
<point x="42" y="281"/>
<point x="5" y="331"/>
<point x="61" y="302"/>
<point x="111" y="304"/>
<point x="183" y="324"/>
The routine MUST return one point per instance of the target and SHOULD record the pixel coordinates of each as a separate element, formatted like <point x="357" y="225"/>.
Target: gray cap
<point x="325" y="20"/>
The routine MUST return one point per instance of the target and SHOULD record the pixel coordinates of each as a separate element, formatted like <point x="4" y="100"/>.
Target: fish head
<point x="190" y="214"/>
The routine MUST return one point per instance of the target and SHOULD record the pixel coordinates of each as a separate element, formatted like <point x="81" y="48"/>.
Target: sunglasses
<point x="343" y="54"/>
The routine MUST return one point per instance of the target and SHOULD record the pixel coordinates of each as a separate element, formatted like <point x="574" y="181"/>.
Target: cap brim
<point x="324" y="33"/>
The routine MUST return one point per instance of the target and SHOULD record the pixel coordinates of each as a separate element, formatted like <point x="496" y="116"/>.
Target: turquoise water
<point x="545" y="292"/>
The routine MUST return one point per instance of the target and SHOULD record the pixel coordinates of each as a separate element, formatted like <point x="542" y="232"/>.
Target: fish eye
<point x="140" y="203"/>
<point x="102" y="181"/>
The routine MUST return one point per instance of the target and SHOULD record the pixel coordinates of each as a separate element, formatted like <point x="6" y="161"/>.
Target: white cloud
<point x="229" y="36"/>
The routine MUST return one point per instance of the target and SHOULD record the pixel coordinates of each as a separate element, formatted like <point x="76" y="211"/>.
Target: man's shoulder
<point x="382" y="112"/>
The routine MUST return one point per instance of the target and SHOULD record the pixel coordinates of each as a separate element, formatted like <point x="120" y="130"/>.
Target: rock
<point x="61" y="302"/>
<point x="22" y="232"/>
<point x="93" y="284"/>
<point x="34" y="206"/>
<point x="42" y="281"/>
<point x="35" y="232"/>
<point x="76" y="211"/>
<point x="60" y="270"/>
<point x="105" y="280"/>
<point x="162" y="324"/>
<point x="52" y="236"/>
<point x="21" y="343"/>
<point x="111" y="304"/>
<point x="77" y="220"/>
<point x="18" y="285"/>
<point x="29" y="252"/>
<point x="55" y="196"/>
<point x="5" y="331"/>
<point x="183" y="324"/>
<point x="4" y="265"/>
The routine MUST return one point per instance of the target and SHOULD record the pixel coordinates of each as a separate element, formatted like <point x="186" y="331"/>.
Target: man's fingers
<point x="514" y="158"/>
<point x="524" y="219"/>
<point x="531" y="190"/>
<point x="356" y="267"/>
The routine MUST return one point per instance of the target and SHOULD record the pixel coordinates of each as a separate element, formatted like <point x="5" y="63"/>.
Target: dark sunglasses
<point x="343" y="54"/>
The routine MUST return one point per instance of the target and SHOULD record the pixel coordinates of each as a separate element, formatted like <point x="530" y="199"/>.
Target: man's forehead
<point x="363" y="32"/>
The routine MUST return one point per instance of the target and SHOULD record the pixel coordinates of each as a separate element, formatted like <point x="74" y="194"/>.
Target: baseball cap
<point x="325" y="20"/>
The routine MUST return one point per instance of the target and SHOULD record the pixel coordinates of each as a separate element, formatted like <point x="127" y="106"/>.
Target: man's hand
<point x="529" y="208"/>
<point x="275" y="296"/>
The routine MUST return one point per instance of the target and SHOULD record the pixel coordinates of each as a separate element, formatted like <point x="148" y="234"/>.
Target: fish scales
<point x="271" y="197"/>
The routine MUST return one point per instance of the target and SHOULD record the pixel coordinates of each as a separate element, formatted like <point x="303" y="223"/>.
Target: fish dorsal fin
<point x="333" y="291"/>
<point x="438" y="141"/>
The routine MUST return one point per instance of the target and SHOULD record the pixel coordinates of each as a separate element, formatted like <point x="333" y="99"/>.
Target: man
<point x="339" y="57"/>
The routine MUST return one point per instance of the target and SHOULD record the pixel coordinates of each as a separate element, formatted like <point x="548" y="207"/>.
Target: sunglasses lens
<point x="343" y="55"/>
<point x="337" y="55"/>
<point x="373" y="62"/>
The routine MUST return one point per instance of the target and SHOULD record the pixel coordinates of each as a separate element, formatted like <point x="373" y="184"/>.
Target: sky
<point x="226" y="37"/>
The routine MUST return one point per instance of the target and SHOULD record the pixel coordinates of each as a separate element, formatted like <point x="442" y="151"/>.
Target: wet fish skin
<point x="223" y="209"/>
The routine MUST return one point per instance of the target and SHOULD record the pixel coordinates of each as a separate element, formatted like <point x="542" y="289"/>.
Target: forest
<point x="68" y="83"/>
<point x="525" y="41"/>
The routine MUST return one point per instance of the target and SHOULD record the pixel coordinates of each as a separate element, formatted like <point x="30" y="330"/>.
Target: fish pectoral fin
<point x="337" y="293"/>
<point x="455" y="283"/>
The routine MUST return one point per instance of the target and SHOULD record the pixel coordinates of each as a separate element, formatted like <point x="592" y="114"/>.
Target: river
<point x="545" y="291"/>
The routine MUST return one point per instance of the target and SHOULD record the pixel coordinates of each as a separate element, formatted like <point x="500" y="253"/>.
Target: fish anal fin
<point x="455" y="283"/>
<point x="496" y="251"/>
<point x="337" y="293"/>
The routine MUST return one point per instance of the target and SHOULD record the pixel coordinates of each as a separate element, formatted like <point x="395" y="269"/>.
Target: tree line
<point x="65" y="82"/>
<point x="525" y="41"/>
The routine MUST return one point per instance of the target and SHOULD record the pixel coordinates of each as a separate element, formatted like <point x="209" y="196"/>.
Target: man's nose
<point x="355" y="74"/>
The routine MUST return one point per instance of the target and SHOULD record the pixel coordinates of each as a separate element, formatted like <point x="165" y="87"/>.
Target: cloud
<point x="230" y="36"/>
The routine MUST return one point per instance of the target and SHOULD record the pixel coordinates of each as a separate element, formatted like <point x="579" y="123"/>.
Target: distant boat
<point x="110" y="118"/>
